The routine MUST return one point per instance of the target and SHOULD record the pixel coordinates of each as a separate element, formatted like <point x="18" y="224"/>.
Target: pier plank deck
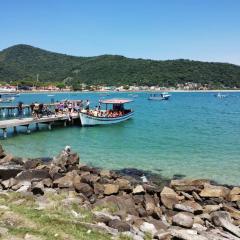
<point x="13" y="123"/>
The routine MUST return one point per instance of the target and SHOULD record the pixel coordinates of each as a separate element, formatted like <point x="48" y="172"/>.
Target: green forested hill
<point x="22" y="63"/>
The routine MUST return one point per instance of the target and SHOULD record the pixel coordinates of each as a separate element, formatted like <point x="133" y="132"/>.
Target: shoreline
<point x="139" y="91"/>
<point x="113" y="204"/>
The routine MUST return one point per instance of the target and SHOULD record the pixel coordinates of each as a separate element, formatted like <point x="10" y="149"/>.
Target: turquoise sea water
<point x="194" y="134"/>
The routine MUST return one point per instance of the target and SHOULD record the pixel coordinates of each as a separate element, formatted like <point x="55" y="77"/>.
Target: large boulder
<point x="10" y="171"/>
<point x="37" y="188"/>
<point x="90" y="179"/>
<point x="188" y="185"/>
<point x="6" y="159"/>
<point x="105" y="173"/>
<point x="233" y="211"/>
<point x="138" y="190"/>
<point x="33" y="174"/>
<point x="64" y="182"/>
<point x="9" y="183"/>
<point x="119" y="225"/>
<point x="189" y="206"/>
<point x="223" y="219"/>
<point x="169" y="197"/>
<point x="234" y="194"/>
<point x="124" y="203"/>
<point x="148" y="228"/>
<point x="110" y="189"/>
<point x="32" y="163"/>
<point x="214" y="191"/>
<point x="66" y="158"/>
<point x="123" y="184"/>
<point x="183" y="219"/>
<point x="149" y="204"/>
<point x="83" y="188"/>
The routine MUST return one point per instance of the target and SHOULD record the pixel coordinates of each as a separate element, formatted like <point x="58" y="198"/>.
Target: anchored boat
<point x="159" y="96"/>
<point x="6" y="99"/>
<point x="117" y="113"/>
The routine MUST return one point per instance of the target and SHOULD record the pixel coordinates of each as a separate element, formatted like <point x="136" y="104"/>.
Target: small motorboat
<point x="116" y="114"/>
<point x="219" y="95"/>
<point x="159" y="96"/>
<point x="6" y="99"/>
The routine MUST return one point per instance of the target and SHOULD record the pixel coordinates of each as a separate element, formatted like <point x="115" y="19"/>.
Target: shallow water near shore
<point x="192" y="134"/>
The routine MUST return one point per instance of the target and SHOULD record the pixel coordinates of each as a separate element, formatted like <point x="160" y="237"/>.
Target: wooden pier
<point x="26" y="122"/>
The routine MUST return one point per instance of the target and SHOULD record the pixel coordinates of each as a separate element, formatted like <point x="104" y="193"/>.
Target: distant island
<point x="24" y="65"/>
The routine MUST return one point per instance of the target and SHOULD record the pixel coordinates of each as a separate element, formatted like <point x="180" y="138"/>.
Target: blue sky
<point x="207" y="30"/>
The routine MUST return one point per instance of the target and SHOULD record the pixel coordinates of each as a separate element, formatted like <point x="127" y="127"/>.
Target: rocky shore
<point x="121" y="207"/>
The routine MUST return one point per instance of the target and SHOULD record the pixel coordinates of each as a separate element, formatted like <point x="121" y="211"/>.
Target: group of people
<point x="39" y="110"/>
<point x="106" y="114"/>
<point x="70" y="106"/>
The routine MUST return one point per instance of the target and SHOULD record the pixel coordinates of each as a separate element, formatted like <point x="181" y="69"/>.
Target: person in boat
<point x="99" y="105"/>
<point x="87" y="105"/>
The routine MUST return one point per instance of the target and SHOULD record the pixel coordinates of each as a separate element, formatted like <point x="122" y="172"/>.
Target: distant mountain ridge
<point x="23" y="62"/>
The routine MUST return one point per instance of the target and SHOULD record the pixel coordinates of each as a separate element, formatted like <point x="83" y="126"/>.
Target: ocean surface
<point x="193" y="134"/>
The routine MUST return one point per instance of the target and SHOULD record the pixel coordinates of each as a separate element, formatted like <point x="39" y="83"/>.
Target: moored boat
<point x="219" y="95"/>
<point x="114" y="115"/>
<point x="4" y="99"/>
<point x="159" y="96"/>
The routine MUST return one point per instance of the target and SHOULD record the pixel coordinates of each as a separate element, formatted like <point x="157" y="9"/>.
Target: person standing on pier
<point x="20" y="110"/>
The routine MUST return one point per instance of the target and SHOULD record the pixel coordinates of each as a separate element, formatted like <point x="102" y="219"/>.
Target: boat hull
<point x="87" y="120"/>
<point x="159" y="98"/>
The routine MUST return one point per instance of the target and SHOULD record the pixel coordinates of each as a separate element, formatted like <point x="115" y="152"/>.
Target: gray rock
<point x="104" y="216"/>
<point x="187" y="234"/>
<point x="186" y="185"/>
<point x="211" y="208"/>
<point x="105" y="173"/>
<point x="9" y="183"/>
<point x="196" y="197"/>
<point x="183" y="219"/>
<point x="64" y="182"/>
<point x="33" y="174"/>
<point x="37" y="188"/>
<point x="223" y="219"/>
<point x="84" y="188"/>
<point x="119" y="225"/>
<point x="110" y="189"/>
<point x="187" y="196"/>
<point x="32" y="163"/>
<point x="214" y="191"/>
<point x="90" y="179"/>
<point x="66" y="158"/>
<point x="138" y="189"/>
<point x="169" y="197"/>
<point x="10" y="171"/>
<point x="189" y="206"/>
<point x="123" y="184"/>
<point x="3" y="231"/>
<point x="148" y="228"/>
<point x="149" y="204"/>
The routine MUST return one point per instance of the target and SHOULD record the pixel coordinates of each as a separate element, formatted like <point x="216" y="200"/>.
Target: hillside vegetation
<point x="22" y="63"/>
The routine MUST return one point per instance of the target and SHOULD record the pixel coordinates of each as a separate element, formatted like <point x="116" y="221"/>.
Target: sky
<point x="206" y="30"/>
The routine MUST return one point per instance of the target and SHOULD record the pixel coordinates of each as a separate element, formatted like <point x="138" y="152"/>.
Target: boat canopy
<point x="116" y="101"/>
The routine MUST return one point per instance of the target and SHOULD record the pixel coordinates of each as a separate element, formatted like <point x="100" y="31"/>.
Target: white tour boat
<point x="159" y="96"/>
<point x="102" y="117"/>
